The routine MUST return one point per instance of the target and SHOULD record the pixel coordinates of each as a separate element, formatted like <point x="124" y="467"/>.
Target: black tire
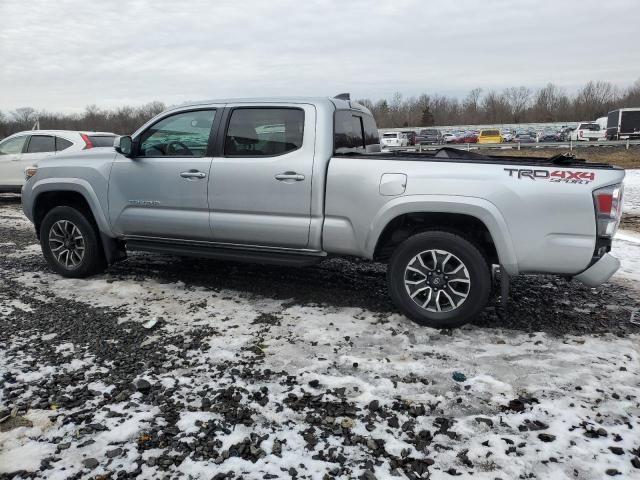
<point x="92" y="261"/>
<point x="464" y="252"/>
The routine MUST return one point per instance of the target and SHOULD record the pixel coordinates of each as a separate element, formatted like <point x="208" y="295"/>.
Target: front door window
<point x="184" y="134"/>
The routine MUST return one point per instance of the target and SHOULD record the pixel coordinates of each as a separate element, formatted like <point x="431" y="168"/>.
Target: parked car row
<point x="620" y="124"/>
<point x="25" y="149"/>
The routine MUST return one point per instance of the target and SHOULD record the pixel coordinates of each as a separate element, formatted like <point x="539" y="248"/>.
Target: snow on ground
<point x="626" y="247"/>
<point x="133" y="374"/>
<point x="11" y="218"/>
<point x="632" y="192"/>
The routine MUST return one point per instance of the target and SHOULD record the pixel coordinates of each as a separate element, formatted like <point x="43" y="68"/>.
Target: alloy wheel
<point x="437" y="280"/>
<point x="67" y="244"/>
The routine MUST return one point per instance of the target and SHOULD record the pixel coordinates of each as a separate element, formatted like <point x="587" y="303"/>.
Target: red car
<point x="468" y="137"/>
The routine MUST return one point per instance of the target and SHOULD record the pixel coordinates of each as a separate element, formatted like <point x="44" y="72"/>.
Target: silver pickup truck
<point x="293" y="181"/>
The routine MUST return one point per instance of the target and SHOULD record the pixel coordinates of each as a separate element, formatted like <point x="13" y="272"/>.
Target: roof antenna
<point x="343" y="96"/>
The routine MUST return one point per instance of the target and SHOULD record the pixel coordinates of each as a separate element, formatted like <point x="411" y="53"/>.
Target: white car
<point x="394" y="139"/>
<point x="449" y="138"/>
<point x="25" y="149"/>
<point x="507" y="135"/>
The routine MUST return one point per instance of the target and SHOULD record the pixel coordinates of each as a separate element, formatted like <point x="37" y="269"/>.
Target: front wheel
<point x="439" y="279"/>
<point x="70" y="243"/>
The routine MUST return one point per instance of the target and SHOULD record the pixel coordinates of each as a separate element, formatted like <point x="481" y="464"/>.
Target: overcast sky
<point x="65" y="54"/>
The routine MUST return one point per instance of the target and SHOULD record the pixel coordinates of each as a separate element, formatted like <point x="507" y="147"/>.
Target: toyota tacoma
<point x="294" y="181"/>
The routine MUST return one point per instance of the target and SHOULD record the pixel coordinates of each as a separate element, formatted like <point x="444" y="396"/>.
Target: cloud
<point x="66" y="54"/>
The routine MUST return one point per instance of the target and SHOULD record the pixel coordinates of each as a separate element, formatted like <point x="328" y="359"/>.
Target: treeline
<point x="122" y="120"/>
<point x="512" y="105"/>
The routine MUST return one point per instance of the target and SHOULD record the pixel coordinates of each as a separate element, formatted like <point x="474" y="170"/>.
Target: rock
<point x="546" y="437"/>
<point x="616" y="450"/>
<point x="143" y="386"/>
<point x="612" y="472"/>
<point x="487" y="421"/>
<point x="635" y="461"/>
<point x="314" y="383"/>
<point x="116" y="452"/>
<point x="459" y="377"/>
<point x="90" y="463"/>
<point x="601" y="432"/>
<point x="368" y="475"/>
<point x="346" y="423"/>
<point x="371" y="444"/>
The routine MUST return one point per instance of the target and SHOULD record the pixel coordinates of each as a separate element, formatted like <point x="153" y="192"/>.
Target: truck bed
<point x="448" y="154"/>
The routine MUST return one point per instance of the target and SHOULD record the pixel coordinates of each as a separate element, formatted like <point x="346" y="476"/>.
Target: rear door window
<point x="41" y="144"/>
<point x="264" y="131"/>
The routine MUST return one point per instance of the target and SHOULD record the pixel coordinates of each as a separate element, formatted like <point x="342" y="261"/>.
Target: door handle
<point x="193" y="174"/>
<point x="297" y="177"/>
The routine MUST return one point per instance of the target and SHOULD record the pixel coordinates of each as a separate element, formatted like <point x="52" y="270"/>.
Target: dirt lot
<point x="614" y="155"/>
<point x="173" y="368"/>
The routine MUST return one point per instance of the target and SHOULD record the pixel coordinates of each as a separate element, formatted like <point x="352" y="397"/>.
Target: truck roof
<point x="338" y="103"/>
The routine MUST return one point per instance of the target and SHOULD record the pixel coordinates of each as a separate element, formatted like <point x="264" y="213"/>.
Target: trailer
<point x="623" y="123"/>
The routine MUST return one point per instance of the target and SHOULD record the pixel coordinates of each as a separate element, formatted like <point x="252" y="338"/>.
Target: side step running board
<point x="221" y="253"/>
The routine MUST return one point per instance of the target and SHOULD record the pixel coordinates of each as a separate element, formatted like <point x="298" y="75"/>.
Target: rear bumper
<point x="599" y="272"/>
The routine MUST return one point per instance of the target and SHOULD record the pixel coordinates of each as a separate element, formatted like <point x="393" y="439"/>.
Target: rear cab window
<point x="490" y="133"/>
<point x="355" y="131"/>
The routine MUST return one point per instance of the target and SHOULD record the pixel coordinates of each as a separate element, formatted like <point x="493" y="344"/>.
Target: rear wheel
<point x="70" y="243"/>
<point x="439" y="279"/>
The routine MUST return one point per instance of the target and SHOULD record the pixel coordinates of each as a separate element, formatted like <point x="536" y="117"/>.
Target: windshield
<point x="490" y="133"/>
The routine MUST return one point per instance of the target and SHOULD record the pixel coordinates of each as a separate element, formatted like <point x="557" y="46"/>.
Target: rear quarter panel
<point x="538" y="224"/>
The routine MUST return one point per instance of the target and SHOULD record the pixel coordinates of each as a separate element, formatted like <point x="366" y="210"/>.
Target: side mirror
<point x="124" y="145"/>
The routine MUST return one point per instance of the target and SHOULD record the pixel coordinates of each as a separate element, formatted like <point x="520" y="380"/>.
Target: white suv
<point x="24" y="149"/>
<point x="394" y="139"/>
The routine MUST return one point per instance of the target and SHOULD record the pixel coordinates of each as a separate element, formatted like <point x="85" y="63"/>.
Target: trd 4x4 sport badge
<point x="557" y="176"/>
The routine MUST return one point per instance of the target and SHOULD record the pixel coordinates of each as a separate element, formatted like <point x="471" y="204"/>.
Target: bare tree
<point x="595" y="99"/>
<point x="518" y="100"/>
<point x="495" y="107"/>
<point x="471" y="105"/>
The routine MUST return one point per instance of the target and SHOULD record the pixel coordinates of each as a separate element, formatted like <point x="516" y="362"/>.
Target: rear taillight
<point x="87" y="141"/>
<point x="608" y="203"/>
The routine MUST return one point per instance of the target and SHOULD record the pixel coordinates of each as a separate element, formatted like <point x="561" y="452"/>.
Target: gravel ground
<point x="181" y="368"/>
